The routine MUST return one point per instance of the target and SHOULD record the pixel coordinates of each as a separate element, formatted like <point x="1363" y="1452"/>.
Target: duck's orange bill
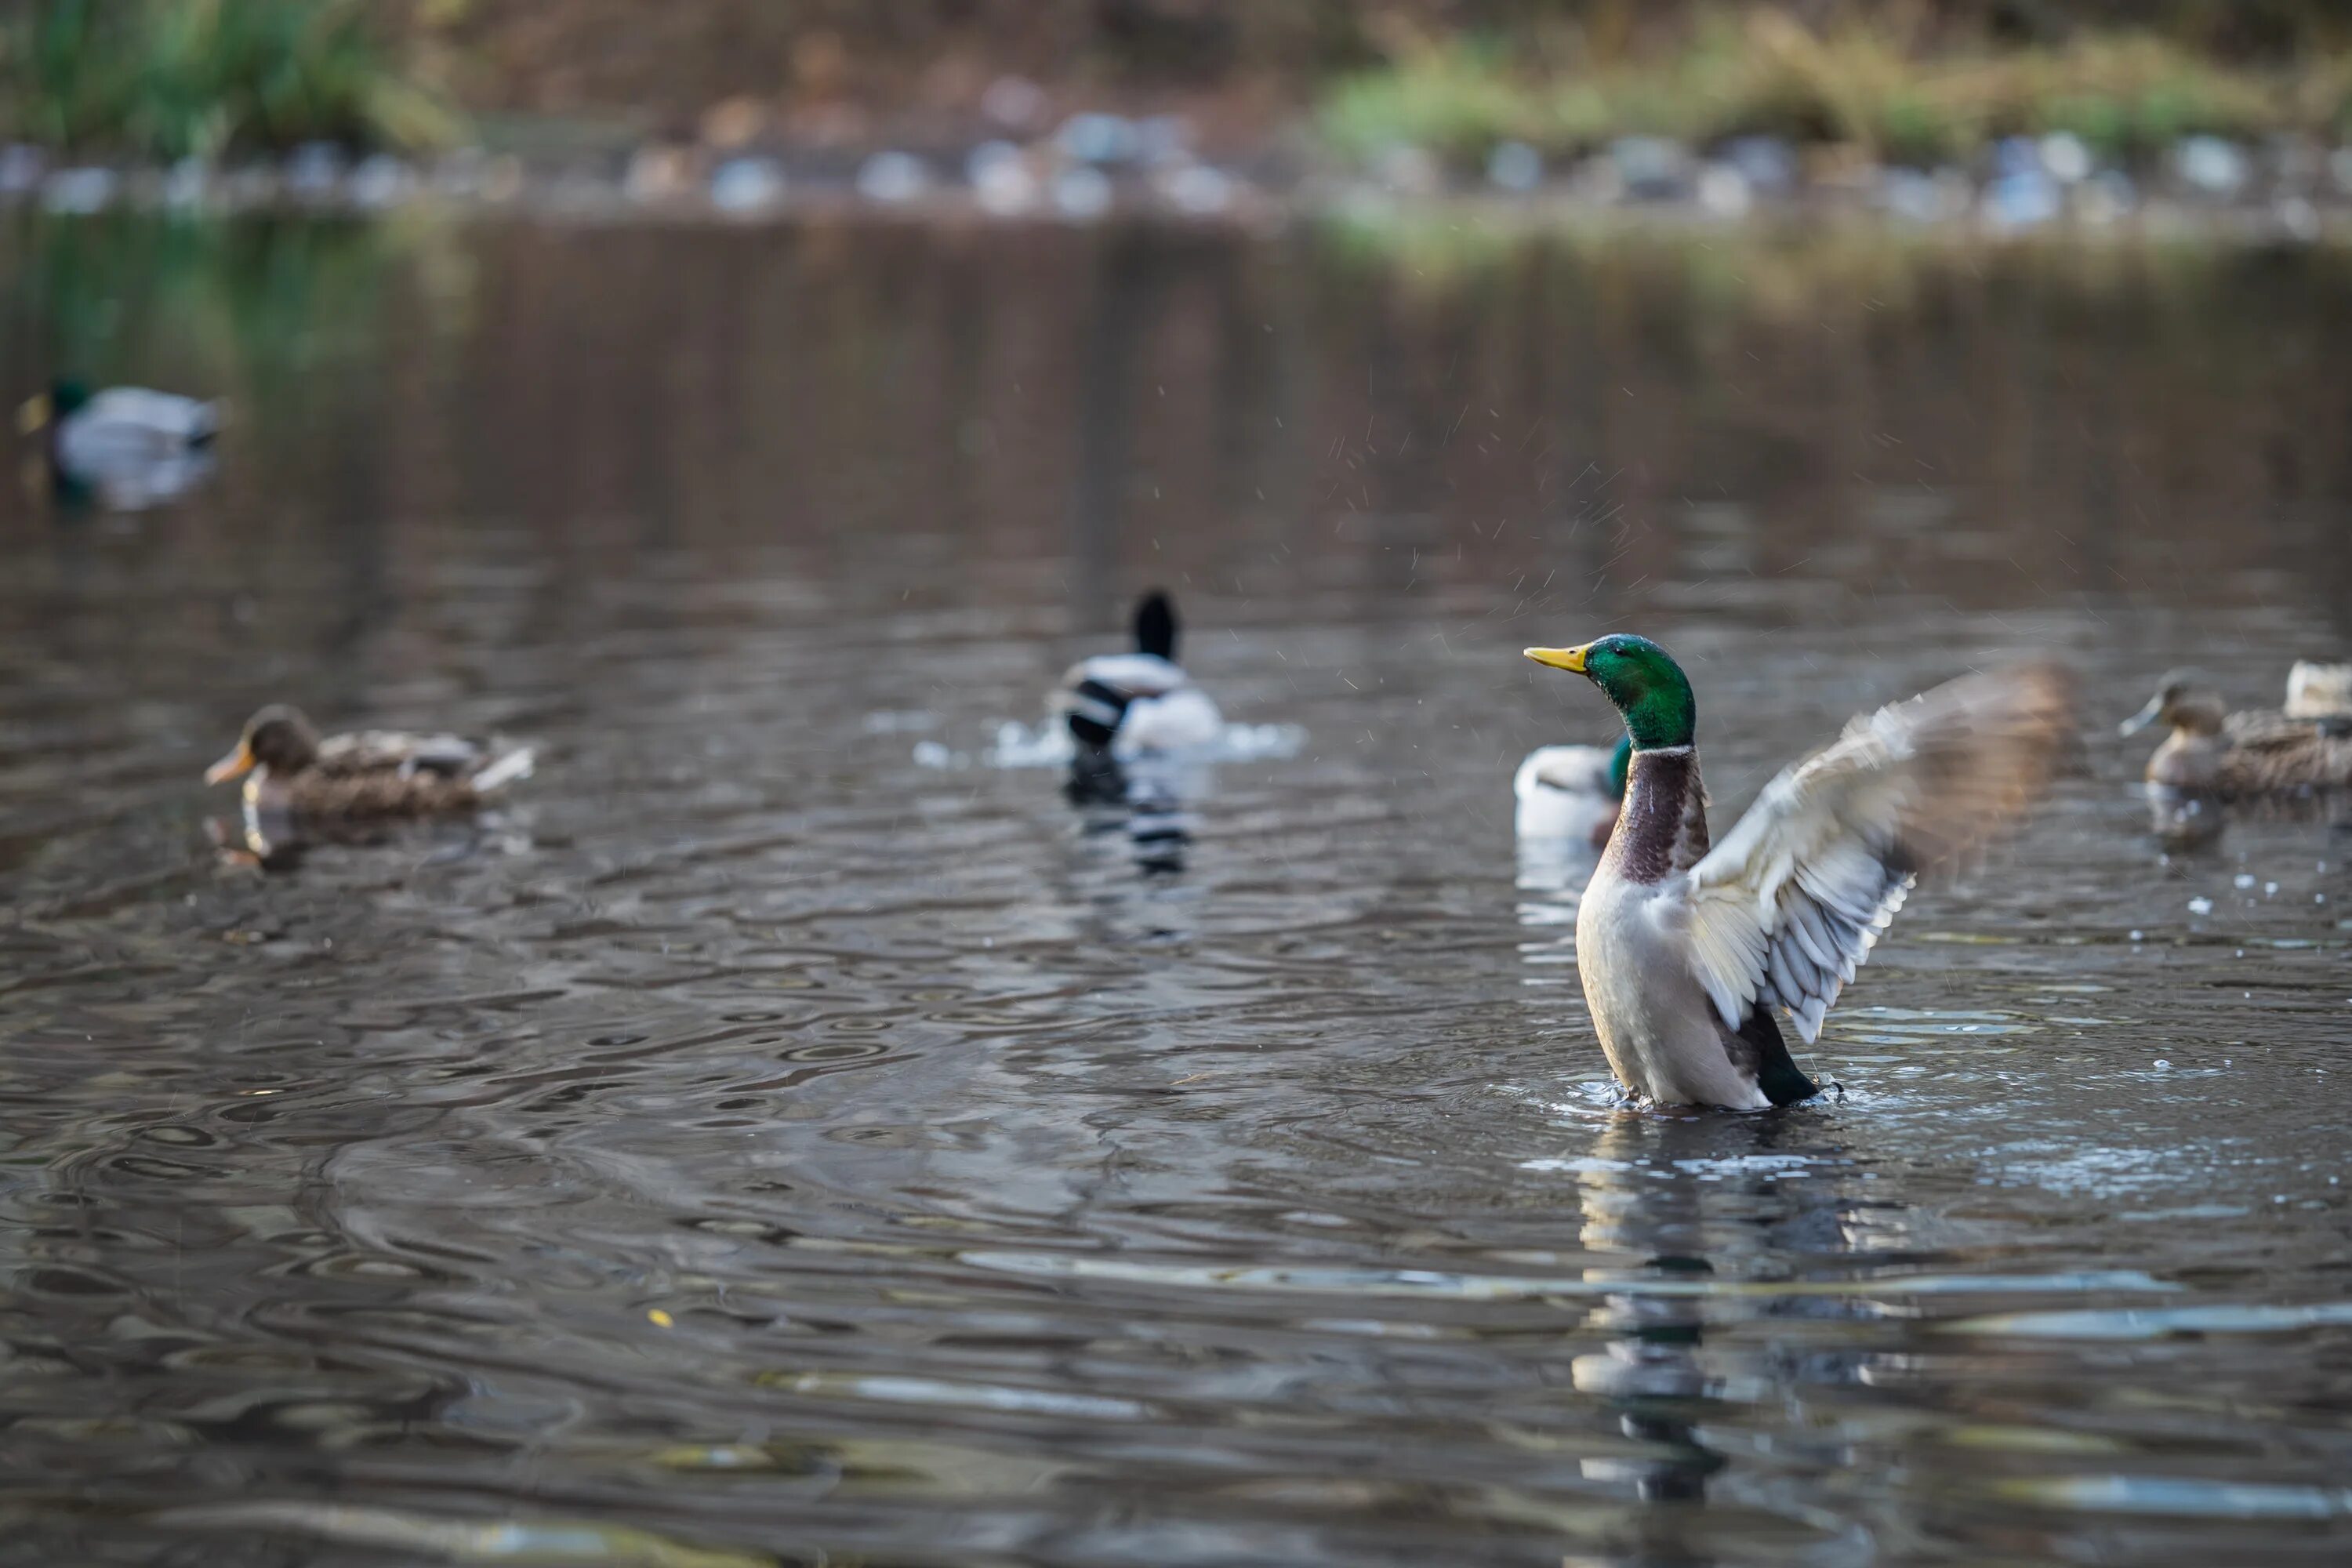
<point x="1559" y="658"/>
<point x="234" y="765"/>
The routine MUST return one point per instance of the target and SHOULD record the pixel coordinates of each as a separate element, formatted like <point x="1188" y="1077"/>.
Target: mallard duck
<point x="132" y="447"/>
<point x="2256" y="752"/>
<point x="1684" y="950"/>
<point x="1571" y="791"/>
<point x="1140" y="702"/>
<point x="286" y="767"/>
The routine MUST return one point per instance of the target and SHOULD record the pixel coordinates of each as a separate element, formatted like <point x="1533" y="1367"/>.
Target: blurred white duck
<point x="2316" y="690"/>
<point x="1684" y="950"/>
<point x="1571" y="791"/>
<point x="1137" y="703"/>
<point x="131" y="447"/>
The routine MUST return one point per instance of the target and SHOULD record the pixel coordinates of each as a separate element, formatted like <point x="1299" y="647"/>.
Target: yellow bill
<point x="1570" y="658"/>
<point x="234" y="765"/>
<point x="33" y="413"/>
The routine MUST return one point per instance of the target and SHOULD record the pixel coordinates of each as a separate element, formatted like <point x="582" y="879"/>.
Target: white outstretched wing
<point x="1793" y="900"/>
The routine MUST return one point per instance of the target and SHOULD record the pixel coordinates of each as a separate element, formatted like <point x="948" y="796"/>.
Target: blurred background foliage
<point x="1897" y="95"/>
<point x="176" y="79"/>
<point x="1909" y="78"/>
<point x="573" y="54"/>
<point x="709" y="48"/>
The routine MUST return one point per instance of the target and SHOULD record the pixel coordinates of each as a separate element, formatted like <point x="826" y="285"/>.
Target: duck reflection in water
<point x="1143" y="799"/>
<point x="1552" y="873"/>
<point x="2185" y="821"/>
<point x="1682" y="1204"/>
<point x="275" y="841"/>
<point x="269" y="838"/>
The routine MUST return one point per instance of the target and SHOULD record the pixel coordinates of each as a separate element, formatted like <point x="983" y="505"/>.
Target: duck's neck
<point x="2197" y="716"/>
<point x="1662" y="828"/>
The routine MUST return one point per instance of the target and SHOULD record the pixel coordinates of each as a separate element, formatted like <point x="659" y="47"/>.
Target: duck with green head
<point x="131" y="447"/>
<point x="1686" y="948"/>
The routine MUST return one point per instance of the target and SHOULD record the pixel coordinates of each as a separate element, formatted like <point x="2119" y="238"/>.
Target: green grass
<point x="176" y="79"/>
<point x="2128" y="95"/>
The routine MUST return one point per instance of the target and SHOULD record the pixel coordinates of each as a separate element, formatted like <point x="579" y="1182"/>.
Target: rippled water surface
<point x="753" y="1145"/>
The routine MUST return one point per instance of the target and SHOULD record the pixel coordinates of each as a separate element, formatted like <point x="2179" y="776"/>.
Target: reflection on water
<point x="790" y="1130"/>
<point x="1149" y="800"/>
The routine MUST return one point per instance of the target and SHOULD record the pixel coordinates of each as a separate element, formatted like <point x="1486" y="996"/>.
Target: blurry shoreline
<point x="1953" y="117"/>
<point x="1100" y="168"/>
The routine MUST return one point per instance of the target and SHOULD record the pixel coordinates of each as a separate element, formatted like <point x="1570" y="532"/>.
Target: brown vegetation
<point x="852" y="60"/>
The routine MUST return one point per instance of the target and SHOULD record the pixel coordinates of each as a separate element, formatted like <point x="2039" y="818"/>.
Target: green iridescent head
<point x="1640" y="679"/>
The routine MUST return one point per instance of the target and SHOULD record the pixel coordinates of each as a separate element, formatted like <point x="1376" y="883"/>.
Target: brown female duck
<point x="288" y="767"/>
<point x="2259" y="753"/>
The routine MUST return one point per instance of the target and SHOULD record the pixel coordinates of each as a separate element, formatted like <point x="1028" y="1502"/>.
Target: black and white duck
<point x="130" y="447"/>
<point x="1140" y="702"/>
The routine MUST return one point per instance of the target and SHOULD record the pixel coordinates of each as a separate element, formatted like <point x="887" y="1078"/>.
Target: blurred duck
<point x="2321" y="692"/>
<point x="132" y="447"/>
<point x="2265" y="752"/>
<point x="1686" y="949"/>
<point x="288" y="767"/>
<point x="1137" y="703"/>
<point x="1571" y="791"/>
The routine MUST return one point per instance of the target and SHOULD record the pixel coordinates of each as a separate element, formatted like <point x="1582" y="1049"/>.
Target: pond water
<point x="753" y="1145"/>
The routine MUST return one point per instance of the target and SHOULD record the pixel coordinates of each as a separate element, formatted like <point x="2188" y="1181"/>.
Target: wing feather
<point x="1789" y="904"/>
<point x="369" y="751"/>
